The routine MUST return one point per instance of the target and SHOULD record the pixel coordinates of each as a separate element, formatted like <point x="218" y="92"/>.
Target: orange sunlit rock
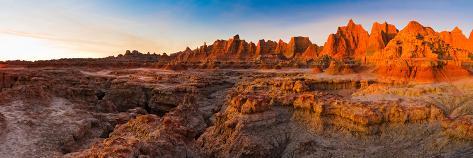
<point x="380" y="36"/>
<point x="296" y="46"/>
<point x="350" y="42"/>
<point x="471" y="36"/>
<point x="418" y="54"/>
<point x="310" y="53"/>
<point x="456" y="39"/>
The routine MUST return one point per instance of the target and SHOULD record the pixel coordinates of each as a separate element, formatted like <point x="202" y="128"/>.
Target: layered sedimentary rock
<point x="380" y="36"/>
<point x="461" y="127"/>
<point x="239" y="53"/>
<point x="237" y="131"/>
<point x="310" y="53"/>
<point x="340" y="68"/>
<point x="152" y="136"/>
<point x="220" y="113"/>
<point x="232" y="49"/>
<point x="456" y="39"/>
<point x="296" y="46"/>
<point x="87" y="105"/>
<point x="350" y="42"/>
<point x="266" y="48"/>
<point x="419" y="54"/>
<point x="424" y="55"/>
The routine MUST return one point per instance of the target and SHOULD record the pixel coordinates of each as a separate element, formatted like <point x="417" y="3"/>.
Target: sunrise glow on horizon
<point x="40" y="29"/>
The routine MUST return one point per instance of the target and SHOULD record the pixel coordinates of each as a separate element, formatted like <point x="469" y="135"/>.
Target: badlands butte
<point x="386" y="93"/>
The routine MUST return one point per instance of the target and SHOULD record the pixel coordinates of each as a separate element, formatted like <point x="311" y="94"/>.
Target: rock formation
<point x="239" y="53"/>
<point x="456" y="39"/>
<point x="310" y="53"/>
<point x="215" y="101"/>
<point x="152" y="136"/>
<point x="265" y="48"/>
<point x="296" y="46"/>
<point x="460" y="128"/>
<point x="232" y="49"/>
<point x="350" y="42"/>
<point x="380" y="36"/>
<point x="419" y="54"/>
<point x="129" y="112"/>
<point x="351" y="45"/>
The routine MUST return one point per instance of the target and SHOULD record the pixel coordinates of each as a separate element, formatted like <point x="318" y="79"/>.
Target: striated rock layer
<point x="235" y="52"/>
<point x="419" y="54"/>
<point x="456" y="39"/>
<point x="350" y="42"/>
<point x="414" y="54"/>
<point x="380" y="36"/>
<point x="71" y="112"/>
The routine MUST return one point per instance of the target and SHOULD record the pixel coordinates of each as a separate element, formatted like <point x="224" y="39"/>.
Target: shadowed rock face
<point x="88" y="105"/>
<point x="297" y="46"/>
<point x="266" y="48"/>
<point x="380" y="36"/>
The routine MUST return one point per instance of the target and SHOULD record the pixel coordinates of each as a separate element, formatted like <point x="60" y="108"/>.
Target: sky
<point x="52" y="29"/>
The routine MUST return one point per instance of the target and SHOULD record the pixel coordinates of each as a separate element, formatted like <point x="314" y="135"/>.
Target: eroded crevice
<point x="229" y="114"/>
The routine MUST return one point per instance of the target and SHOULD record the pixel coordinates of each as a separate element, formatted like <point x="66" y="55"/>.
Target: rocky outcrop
<point x="265" y="48"/>
<point x="365" y="114"/>
<point x="419" y="54"/>
<point x="311" y="53"/>
<point x="202" y="113"/>
<point x="237" y="132"/>
<point x="152" y="136"/>
<point x="236" y="53"/>
<point x="339" y="68"/>
<point x="296" y="46"/>
<point x="250" y="104"/>
<point x="456" y="39"/>
<point x="350" y="42"/>
<point x="232" y="49"/>
<point x="380" y="36"/>
<point x="461" y="127"/>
